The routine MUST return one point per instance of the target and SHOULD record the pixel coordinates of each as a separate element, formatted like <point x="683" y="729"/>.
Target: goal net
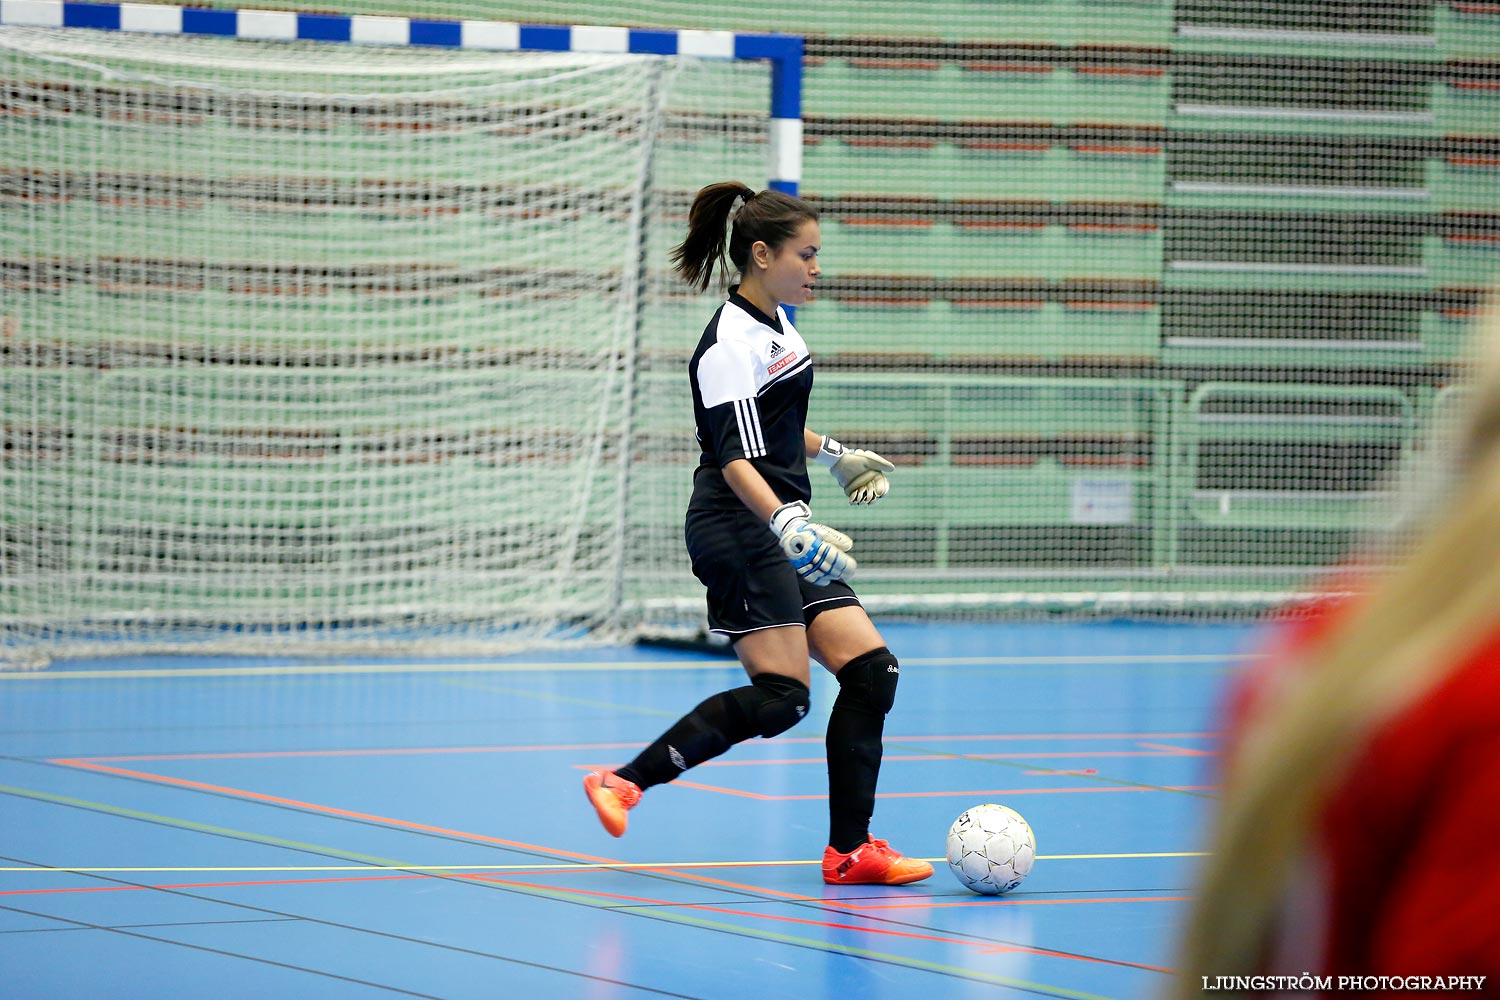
<point x="331" y="348"/>
<point x="328" y="347"/>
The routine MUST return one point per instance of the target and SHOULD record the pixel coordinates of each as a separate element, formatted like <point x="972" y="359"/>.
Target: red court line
<point x="378" y="752"/>
<point x="542" y="748"/>
<point x="1100" y="789"/>
<point x="1008" y="901"/>
<point x="1158" y="750"/>
<point x="219" y="885"/>
<point x="96" y="764"/>
<point x="726" y="883"/>
<point x="1181" y="751"/>
<point x="327" y="810"/>
<point x="904" y="903"/>
<point x="1053" y="736"/>
<point x="980" y="946"/>
<point x="406" y="876"/>
<point x="400" y="823"/>
<point x="1053" y="791"/>
<point x="1162" y="751"/>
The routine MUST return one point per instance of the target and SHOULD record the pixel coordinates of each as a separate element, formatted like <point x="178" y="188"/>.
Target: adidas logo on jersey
<point x="780" y="358"/>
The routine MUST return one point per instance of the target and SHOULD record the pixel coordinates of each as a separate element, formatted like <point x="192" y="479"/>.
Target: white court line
<point x="622" y="866"/>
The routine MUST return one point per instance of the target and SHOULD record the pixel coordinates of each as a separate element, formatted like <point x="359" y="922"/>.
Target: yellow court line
<point x="621" y="866"/>
<point x="717" y="663"/>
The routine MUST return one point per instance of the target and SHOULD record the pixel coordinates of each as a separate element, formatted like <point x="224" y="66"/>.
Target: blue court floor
<point x="237" y="828"/>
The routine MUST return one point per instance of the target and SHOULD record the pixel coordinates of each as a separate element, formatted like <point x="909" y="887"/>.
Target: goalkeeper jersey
<point x="751" y="376"/>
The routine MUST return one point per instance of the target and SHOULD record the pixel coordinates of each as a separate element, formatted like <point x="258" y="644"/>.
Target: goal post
<point x="326" y="333"/>
<point x="782" y="53"/>
<point x="335" y="334"/>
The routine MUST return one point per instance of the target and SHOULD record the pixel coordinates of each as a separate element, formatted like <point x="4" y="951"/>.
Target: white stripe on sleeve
<point x="751" y="439"/>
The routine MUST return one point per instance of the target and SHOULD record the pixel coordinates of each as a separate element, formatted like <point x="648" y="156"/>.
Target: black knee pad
<point x="868" y="682"/>
<point x="774" y="703"/>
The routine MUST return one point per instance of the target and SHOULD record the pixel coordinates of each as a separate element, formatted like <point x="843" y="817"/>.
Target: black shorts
<point x="751" y="585"/>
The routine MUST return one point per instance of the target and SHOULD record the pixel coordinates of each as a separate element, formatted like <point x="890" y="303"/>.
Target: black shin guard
<point x="867" y="689"/>
<point x="769" y="705"/>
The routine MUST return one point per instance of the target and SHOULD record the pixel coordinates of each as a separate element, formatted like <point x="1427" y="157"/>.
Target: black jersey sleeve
<point x="735" y="431"/>
<point x="726" y="384"/>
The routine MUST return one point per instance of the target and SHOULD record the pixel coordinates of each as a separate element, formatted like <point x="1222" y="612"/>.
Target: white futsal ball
<point x="991" y="849"/>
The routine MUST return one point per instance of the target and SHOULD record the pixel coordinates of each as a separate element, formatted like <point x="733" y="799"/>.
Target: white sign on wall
<point x="1103" y="501"/>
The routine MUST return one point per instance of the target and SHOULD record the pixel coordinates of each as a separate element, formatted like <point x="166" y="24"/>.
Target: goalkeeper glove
<point x="861" y="473"/>
<point x="819" y="554"/>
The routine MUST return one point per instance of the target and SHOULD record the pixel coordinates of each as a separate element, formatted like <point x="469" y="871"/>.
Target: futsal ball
<point x="991" y="849"/>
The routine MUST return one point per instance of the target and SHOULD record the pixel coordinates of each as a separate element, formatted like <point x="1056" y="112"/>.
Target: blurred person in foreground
<point x="1359" y="831"/>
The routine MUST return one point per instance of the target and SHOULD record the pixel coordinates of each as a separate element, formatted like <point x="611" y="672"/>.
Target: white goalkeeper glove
<point x="861" y="473"/>
<point x="819" y="554"/>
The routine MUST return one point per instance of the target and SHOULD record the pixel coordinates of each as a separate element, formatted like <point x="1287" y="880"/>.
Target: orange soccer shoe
<point x="612" y="797"/>
<point x="872" y="863"/>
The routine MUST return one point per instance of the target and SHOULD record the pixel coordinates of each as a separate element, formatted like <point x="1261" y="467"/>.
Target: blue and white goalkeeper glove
<point x="861" y="473"/>
<point x="819" y="554"/>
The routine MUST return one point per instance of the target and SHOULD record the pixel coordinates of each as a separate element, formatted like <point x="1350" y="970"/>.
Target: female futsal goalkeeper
<point x="775" y="579"/>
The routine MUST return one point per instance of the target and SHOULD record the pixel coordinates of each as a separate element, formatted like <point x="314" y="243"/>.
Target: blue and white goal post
<point x="331" y="333"/>
<point x="783" y="52"/>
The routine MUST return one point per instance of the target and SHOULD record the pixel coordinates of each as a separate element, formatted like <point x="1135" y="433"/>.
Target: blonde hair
<point x="1398" y="642"/>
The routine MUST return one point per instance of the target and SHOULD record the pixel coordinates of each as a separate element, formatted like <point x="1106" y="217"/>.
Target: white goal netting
<point x="324" y="347"/>
<point x="1155" y="306"/>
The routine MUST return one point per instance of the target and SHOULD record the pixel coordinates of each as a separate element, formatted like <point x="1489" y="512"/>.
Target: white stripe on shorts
<point x="854" y="598"/>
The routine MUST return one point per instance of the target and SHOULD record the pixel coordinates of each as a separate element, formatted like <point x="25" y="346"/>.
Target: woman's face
<point x="792" y="269"/>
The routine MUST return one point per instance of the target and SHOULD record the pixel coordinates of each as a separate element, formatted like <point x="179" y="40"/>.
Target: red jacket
<point x="1405" y="878"/>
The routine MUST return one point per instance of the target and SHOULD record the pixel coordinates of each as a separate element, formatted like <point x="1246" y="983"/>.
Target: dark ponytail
<point x="769" y="217"/>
